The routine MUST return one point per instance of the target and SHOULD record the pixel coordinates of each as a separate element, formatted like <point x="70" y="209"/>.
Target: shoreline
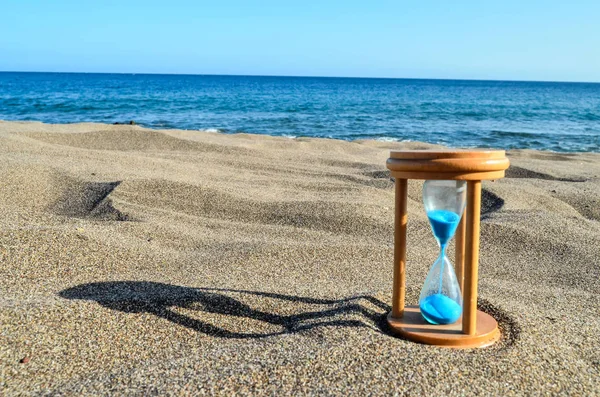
<point x="358" y="140"/>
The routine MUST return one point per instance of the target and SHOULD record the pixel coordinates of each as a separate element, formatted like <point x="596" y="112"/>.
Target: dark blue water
<point x="536" y="115"/>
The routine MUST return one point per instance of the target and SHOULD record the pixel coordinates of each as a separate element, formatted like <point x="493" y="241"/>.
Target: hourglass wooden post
<point x="475" y="328"/>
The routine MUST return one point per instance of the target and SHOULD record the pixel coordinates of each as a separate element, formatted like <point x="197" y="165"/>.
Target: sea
<point x="554" y="116"/>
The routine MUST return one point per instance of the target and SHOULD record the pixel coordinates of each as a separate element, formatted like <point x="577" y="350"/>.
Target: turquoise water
<point x="439" y="309"/>
<point x="535" y="115"/>
<point x="444" y="224"/>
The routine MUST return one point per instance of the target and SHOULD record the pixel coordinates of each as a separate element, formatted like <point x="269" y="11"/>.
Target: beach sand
<point x="179" y="262"/>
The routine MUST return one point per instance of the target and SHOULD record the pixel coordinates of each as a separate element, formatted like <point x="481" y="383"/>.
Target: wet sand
<point x="137" y="261"/>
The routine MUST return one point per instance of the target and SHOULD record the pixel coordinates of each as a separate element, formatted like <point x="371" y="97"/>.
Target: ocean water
<point x="536" y="115"/>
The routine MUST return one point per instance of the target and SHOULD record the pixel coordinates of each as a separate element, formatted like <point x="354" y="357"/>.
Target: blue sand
<point x="444" y="224"/>
<point x="439" y="309"/>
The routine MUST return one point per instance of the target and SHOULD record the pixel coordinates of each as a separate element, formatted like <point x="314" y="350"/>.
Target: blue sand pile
<point x="443" y="223"/>
<point x="439" y="309"/>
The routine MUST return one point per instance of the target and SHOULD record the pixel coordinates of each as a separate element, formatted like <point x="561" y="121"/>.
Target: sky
<point x="551" y="40"/>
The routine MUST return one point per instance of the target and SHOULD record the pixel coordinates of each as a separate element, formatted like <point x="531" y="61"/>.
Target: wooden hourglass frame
<point x="475" y="328"/>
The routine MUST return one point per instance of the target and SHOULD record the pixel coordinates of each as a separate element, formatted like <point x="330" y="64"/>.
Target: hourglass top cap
<point x="448" y="164"/>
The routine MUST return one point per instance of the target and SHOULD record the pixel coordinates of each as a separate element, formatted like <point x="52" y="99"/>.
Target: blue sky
<point x="470" y="39"/>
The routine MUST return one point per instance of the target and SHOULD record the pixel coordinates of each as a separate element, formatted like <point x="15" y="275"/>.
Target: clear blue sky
<point x="470" y="39"/>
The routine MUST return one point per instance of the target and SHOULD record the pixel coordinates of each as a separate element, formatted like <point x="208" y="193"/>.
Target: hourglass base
<point x="412" y="326"/>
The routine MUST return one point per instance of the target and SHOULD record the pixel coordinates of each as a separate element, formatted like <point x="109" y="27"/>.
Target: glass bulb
<point x="440" y="300"/>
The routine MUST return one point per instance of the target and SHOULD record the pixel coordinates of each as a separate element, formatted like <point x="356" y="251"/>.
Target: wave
<point x="214" y="130"/>
<point x="391" y="139"/>
<point x="590" y="116"/>
<point x="516" y="134"/>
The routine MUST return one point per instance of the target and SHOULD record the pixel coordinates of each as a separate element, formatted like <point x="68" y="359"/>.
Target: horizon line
<point x="313" y="76"/>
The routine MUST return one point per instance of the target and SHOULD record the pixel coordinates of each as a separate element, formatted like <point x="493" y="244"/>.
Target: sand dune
<point x="172" y="262"/>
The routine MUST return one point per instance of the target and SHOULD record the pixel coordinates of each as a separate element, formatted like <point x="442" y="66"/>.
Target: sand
<point x="136" y="261"/>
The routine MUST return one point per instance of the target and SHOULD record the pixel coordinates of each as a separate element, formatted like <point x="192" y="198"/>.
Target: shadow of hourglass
<point x="172" y="302"/>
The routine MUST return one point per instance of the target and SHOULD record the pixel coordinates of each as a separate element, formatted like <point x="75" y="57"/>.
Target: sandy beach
<point x="138" y="261"/>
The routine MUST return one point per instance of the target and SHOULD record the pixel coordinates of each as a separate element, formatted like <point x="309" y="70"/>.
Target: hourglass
<point x="446" y="314"/>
